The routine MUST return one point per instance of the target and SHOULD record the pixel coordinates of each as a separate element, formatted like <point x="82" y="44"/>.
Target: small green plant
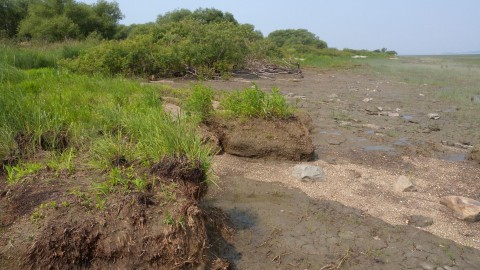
<point x="140" y="184"/>
<point x="63" y="161"/>
<point x="84" y="198"/>
<point x="19" y="171"/>
<point x="199" y="103"/>
<point x="168" y="219"/>
<point x="39" y="212"/>
<point x="253" y="102"/>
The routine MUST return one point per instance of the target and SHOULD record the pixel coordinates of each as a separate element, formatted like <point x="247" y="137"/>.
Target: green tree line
<point x="57" y="20"/>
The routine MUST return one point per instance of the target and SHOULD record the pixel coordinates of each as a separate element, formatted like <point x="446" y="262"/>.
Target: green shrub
<point x="253" y="102"/>
<point x="175" y="49"/>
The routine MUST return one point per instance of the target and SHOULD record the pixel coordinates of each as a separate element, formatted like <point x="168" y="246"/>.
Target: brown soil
<point x="54" y="221"/>
<point x="284" y="139"/>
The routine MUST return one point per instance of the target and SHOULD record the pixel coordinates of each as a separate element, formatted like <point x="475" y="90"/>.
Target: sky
<point x="406" y="26"/>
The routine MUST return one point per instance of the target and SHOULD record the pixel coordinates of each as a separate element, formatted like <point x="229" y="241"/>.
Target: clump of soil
<point x="126" y="236"/>
<point x="53" y="225"/>
<point x="284" y="139"/>
<point x="189" y="174"/>
<point x="24" y="142"/>
<point x="51" y="140"/>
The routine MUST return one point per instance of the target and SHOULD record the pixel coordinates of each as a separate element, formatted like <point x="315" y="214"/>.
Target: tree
<point x="291" y="37"/>
<point x="201" y="15"/>
<point x="55" y="20"/>
<point x="12" y="12"/>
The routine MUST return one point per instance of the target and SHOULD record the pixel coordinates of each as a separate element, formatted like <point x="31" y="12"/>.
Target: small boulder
<point x="404" y="184"/>
<point x="464" y="208"/>
<point x="308" y="173"/>
<point x="434" y="116"/>
<point x="419" y="221"/>
<point x="475" y="154"/>
<point x="476" y="99"/>
<point x="173" y="109"/>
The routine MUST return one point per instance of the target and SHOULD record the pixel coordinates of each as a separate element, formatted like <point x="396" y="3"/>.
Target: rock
<point x="372" y="110"/>
<point x="426" y="266"/>
<point x="173" y="109"/>
<point x="475" y="154"/>
<point x="464" y="208"/>
<point x="475" y="99"/>
<point x="308" y="173"/>
<point x="215" y="104"/>
<point x="434" y="127"/>
<point x="334" y="139"/>
<point x="210" y="138"/>
<point x="372" y="126"/>
<point x="404" y="184"/>
<point x="434" y="116"/>
<point x="333" y="96"/>
<point x="419" y="221"/>
<point x="393" y="114"/>
<point x="367" y="99"/>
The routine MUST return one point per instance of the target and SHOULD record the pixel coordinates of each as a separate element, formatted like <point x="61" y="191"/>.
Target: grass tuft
<point x="253" y="102"/>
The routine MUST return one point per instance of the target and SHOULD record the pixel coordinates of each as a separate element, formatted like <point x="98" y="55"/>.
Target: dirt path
<point x="363" y="150"/>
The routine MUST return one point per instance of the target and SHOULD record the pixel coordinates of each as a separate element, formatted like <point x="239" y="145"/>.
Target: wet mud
<point x="282" y="228"/>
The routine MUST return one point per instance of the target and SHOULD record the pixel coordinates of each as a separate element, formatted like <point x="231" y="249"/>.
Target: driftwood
<point x="267" y="70"/>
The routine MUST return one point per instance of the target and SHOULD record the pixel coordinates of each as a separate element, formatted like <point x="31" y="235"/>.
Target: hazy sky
<point x="407" y="26"/>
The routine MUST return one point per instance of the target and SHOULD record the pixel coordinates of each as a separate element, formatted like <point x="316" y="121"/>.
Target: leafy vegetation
<point x="117" y="121"/>
<point x="253" y="102"/>
<point x="53" y="20"/>
<point x="173" y="49"/>
<point x="200" y="102"/>
<point x="299" y="39"/>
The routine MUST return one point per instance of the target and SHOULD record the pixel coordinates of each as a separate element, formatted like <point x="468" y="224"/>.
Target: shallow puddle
<point x="382" y="148"/>
<point x="457" y="157"/>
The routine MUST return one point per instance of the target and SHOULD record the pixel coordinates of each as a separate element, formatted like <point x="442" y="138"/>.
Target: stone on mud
<point x="404" y="184"/>
<point x="476" y="99"/>
<point x="464" y="208"/>
<point x="308" y="173"/>
<point x="419" y="221"/>
<point x="475" y="154"/>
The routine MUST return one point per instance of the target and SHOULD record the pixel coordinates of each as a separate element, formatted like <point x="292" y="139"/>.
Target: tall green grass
<point x="33" y="56"/>
<point x="253" y="102"/>
<point x="107" y="118"/>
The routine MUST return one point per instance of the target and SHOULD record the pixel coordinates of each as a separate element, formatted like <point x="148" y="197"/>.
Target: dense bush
<point x="56" y="20"/>
<point x="176" y="48"/>
<point x="296" y="37"/>
<point x="12" y="12"/>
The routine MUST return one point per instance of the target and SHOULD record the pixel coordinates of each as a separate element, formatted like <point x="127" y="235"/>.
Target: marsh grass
<point x="39" y="55"/>
<point x="328" y="61"/>
<point x="456" y="78"/>
<point x="199" y="103"/>
<point x="107" y="119"/>
<point x="253" y="102"/>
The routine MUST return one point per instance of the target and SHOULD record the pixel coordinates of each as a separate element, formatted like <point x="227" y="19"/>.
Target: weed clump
<point x="199" y="103"/>
<point x="253" y="102"/>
